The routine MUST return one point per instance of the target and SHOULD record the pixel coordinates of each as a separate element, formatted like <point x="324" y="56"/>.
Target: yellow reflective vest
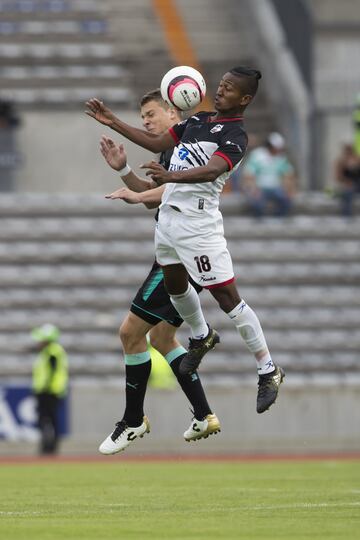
<point x="47" y="378"/>
<point x="356" y="119"/>
<point x="161" y="375"/>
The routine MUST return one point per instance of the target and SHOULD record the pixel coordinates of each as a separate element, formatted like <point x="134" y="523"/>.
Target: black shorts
<point x="152" y="303"/>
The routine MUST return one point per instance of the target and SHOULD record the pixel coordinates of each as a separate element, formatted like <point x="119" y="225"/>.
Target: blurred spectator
<point x="50" y="380"/>
<point x="9" y="155"/>
<point x="161" y="375"/>
<point x="347" y="175"/>
<point x="236" y="176"/>
<point x="356" y="120"/>
<point x="268" y="177"/>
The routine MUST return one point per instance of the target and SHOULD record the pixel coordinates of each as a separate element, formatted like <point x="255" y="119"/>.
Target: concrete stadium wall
<point x="312" y="415"/>
<point x="60" y="153"/>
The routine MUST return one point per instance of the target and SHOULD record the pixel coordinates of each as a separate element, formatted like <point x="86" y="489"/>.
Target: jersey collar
<point x="232" y="119"/>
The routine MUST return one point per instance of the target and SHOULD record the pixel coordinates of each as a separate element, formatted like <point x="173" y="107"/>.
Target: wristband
<point x="125" y="170"/>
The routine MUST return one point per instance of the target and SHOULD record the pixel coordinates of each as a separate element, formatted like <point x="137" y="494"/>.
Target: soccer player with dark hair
<point x="151" y="310"/>
<point x="189" y="236"/>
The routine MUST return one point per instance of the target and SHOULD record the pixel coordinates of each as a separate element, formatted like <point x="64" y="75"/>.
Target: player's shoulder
<point x="202" y="116"/>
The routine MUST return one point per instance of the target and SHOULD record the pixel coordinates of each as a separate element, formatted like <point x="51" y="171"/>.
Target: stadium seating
<point x="57" y="53"/>
<point x="74" y="261"/>
<point x="52" y="52"/>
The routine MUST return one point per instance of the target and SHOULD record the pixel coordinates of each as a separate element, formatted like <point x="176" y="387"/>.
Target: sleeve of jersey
<point x="232" y="147"/>
<point x="177" y="131"/>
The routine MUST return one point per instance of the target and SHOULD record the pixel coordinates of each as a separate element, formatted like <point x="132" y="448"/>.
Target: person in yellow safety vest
<point x="161" y="375"/>
<point x="356" y="121"/>
<point x="49" y="384"/>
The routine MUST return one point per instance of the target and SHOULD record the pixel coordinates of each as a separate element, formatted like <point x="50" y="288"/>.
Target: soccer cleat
<point x="201" y="429"/>
<point x="122" y="436"/>
<point x="197" y="349"/>
<point x="269" y="385"/>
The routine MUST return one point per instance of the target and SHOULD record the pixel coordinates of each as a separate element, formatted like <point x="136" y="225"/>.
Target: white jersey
<point x="199" y="138"/>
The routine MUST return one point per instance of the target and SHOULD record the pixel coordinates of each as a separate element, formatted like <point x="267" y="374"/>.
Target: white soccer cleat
<point x="201" y="429"/>
<point x="122" y="436"/>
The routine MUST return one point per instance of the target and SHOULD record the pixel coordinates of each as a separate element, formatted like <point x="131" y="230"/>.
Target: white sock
<point x="248" y="326"/>
<point x="189" y="308"/>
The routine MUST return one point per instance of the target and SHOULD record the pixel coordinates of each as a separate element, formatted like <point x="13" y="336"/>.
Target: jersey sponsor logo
<point x="176" y="167"/>
<point x="216" y="128"/>
<point x="201" y="204"/>
<point x="183" y="153"/>
<point x="195" y="153"/>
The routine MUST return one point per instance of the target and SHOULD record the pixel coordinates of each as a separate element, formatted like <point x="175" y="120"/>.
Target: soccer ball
<point x="183" y="87"/>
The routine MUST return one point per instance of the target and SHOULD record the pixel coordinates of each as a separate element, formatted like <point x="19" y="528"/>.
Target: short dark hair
<point x="249" y="76"/>
<point x="154" y="95"/>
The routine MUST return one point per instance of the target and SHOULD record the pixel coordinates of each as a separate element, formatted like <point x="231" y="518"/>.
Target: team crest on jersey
<point x="216" y="128"/>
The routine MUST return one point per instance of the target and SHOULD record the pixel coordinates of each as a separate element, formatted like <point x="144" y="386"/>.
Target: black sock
<point x="192" y="387"/>
<point x="136" y="382"/>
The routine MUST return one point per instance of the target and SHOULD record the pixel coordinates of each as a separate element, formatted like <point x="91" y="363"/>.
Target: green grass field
<point x="181" y="500"/>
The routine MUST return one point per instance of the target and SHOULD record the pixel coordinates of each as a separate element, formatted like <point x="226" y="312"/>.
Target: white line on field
<point x="304" y="505"/>
<point x="23" y="513"/>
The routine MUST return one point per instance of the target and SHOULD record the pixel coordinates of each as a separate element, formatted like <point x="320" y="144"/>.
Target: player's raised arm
<point x="115" y="156"/>
<point x="155" y="143"/>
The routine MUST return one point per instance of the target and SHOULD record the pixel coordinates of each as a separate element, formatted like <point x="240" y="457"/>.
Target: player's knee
<point x="227" y="297"/>
<point x="133" y="337"/>
<point x="126" y="334"/>
<point x="155" y="341"/>
<point x="159" y="341"/>
<point x="163" y="339"/>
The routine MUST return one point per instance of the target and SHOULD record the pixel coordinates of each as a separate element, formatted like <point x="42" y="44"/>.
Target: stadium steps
<point x="76" y="262"/>
<point x="263" y="251"/>
<point x="86" y="319"/>
<point x="114" y="297"/>
<point x="124" y="35"/>
<point x="107" y="274"/>
<point x="55" y="56"/>
<point x="230" y="48"/>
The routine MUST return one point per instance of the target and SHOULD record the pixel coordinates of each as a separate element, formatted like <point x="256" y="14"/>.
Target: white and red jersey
<point x="197" y="139"/>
